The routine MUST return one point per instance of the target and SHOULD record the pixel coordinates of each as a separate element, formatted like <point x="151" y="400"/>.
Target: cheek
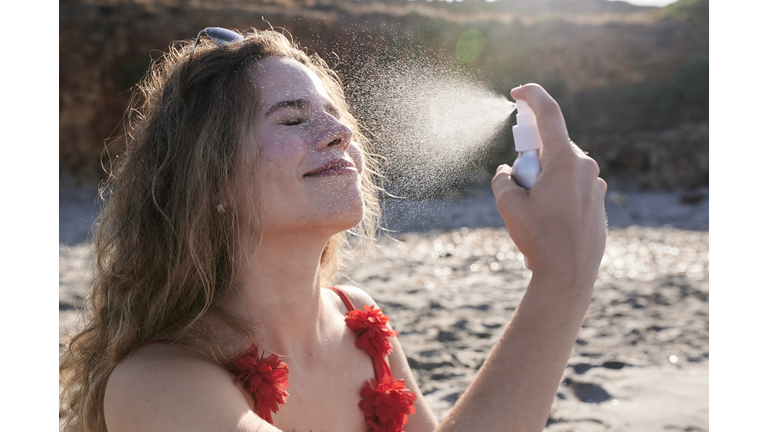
<point x="281" y="152"/>
<point x="280" y="159"/>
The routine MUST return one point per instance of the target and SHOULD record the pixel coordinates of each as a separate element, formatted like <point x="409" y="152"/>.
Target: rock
<point x="669" y="159"/>
<point x="587" y="392"/>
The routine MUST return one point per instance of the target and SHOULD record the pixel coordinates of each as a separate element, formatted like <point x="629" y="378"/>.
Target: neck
<point x="279" y="295"/>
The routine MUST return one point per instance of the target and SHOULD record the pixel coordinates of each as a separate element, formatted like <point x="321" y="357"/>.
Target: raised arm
<point x="560" y="227"/>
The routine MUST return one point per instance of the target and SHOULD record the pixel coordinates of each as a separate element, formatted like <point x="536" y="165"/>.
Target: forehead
<point x="280" y="79"/>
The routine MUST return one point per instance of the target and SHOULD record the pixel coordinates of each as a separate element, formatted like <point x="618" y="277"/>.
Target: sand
<point x="641" y="362"/>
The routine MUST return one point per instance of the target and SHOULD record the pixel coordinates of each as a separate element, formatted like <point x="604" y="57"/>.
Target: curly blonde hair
<point x="164" y="256"/>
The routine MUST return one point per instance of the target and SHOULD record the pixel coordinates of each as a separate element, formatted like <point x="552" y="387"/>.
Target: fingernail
<point x="500" y="168"/>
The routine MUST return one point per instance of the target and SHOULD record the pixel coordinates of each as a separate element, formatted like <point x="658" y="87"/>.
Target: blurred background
<point x="633" y="81"/>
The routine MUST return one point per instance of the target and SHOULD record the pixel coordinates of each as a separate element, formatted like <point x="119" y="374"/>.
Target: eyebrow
<point x="302" y="103"/>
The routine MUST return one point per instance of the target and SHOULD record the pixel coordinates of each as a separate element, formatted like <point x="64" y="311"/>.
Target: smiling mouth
<point x="333" y="168"/>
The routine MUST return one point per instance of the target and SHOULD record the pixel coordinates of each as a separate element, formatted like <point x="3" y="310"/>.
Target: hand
<point x="560" y="224"/>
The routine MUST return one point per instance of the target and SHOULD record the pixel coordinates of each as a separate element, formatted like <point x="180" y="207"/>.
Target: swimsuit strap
<point x="344" y="298"/>
<point x="380" y="365"/>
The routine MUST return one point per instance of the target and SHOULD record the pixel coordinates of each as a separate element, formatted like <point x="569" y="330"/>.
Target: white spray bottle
<point x="527" y="166"/>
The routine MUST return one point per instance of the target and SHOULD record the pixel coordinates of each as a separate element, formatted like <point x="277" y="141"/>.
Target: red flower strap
<point x="387" y="403"/>
<point x="266" y="378"/>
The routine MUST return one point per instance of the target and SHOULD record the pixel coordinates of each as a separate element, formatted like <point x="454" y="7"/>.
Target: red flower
<point x="266" y="378"/>
<point x="387" y="404"/>
<point x="372" y="331"/>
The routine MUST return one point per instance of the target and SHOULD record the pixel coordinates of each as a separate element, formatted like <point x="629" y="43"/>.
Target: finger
<point x="509" y="196"/>
<point x="554" y="133"/>
<point x="501" y="179"/>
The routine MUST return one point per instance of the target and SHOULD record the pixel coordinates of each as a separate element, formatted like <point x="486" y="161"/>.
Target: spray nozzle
<point x="522" y="107"/>
<point x="526" y="132"/>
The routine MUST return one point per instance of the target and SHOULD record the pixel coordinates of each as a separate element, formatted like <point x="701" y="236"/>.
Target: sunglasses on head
<point x="221" y="36"/>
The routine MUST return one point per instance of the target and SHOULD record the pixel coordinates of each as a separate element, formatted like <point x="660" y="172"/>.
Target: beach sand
<point x="641" y="361"/>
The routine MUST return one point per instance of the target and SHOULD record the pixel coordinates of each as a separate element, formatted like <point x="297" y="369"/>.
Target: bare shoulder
<point x="358" y="297"/>
<point x="168" y="388"/>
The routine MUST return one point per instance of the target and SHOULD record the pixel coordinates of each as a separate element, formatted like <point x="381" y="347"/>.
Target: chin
<point x="325" y="212"/>
<point x="350" y="216"/>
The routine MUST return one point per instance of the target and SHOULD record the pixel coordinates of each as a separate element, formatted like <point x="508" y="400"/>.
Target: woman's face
<point x="308" y="167"/>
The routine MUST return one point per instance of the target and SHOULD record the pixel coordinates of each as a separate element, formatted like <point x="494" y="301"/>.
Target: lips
<point x="335" y="167"/>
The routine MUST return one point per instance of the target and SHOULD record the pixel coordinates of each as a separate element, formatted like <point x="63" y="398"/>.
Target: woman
<point x="242" y="178"/>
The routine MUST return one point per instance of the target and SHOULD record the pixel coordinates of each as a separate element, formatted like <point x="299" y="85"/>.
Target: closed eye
<point x="301" y="105"/>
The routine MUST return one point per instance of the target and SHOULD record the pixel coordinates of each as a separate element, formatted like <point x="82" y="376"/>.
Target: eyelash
<point x="293" y="122"/>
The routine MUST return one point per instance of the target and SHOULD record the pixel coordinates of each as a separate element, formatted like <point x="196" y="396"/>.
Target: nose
<point x="337" y="134"/>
